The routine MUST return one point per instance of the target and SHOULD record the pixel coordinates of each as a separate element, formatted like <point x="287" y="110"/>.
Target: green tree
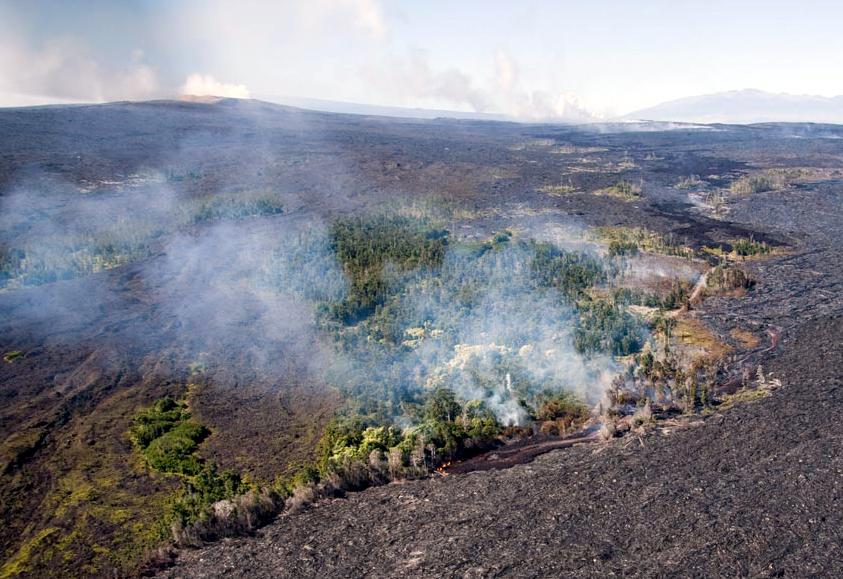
<point x="442" y="406"/>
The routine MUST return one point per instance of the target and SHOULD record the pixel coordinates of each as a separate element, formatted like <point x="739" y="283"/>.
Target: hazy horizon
<point x="535" y="61"/>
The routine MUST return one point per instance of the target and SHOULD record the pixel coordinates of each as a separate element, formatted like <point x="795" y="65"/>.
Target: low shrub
<point x="689" y="182"/>
<point x="10" y="357"/>
<point x="233" y="207"/>
<point x="167" y="438"/>
<point x="238" y="515"/>
<point x="622" y="247"/>
<point x="678" y="295"/>
<point x="726" y="277"/>
<point x="747" y="246"/>
<point x="173" y="451"/>
<point x="643" y="415"/>
<point x="555" y="406"/>
<point x="622" y="190"/>
<point x="621" y="240"/>
<point x="750" y="184"/>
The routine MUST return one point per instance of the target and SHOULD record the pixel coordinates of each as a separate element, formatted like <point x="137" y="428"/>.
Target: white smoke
<point x="246" y="296"/>
<point x="206" y="85"/>
<point x="515" y="338"/>
<point x="413" y="81"/>
<point x="63" y="70"/>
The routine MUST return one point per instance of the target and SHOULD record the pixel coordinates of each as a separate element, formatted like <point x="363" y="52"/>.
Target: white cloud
<point x="206" y="85"/>
<point x="367" y="15"/>
<point x="317" y="16"/>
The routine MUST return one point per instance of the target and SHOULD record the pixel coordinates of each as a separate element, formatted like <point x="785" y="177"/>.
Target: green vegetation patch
<point x="569" y="272"/>
<point x="421" y="313"/>
<point x="631" y="240"/>
<point x="560" y="413"/>
<point x="423" y="317"/>
<point x="353" y="453"/>
<point x="167" y="438"/>
<point x="748" y="246"/>
<point x="742" y="396"/>
<point x="776" y="179"/>
<point x="10" y="357"/>
<point x="728" y="277"/>
<point x="445" y="429"/>
<point x="373" y="248"/>
<point x="436" y="303"/>
<point x="607" y="327"/>
<point x="676" y="297"/>
<point x="233" y="207"/>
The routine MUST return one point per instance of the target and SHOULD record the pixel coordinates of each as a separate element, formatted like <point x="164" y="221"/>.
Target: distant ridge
<point x="745" y="107"/>
<point x="692" y="113"/>
<point x="203" y="99"/>
<point x="330" y="106"/>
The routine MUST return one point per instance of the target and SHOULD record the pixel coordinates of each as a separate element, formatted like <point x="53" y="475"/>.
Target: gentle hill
<point x="745" y="107"/>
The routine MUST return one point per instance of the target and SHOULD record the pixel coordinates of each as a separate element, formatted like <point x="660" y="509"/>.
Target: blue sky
<point x="530" y="59"/>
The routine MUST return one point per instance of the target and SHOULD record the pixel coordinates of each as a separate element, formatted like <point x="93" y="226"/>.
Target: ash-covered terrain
<point x="248" y="340"/>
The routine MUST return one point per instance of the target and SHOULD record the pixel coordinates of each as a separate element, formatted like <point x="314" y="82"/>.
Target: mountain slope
<point x="746" y="106"/>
